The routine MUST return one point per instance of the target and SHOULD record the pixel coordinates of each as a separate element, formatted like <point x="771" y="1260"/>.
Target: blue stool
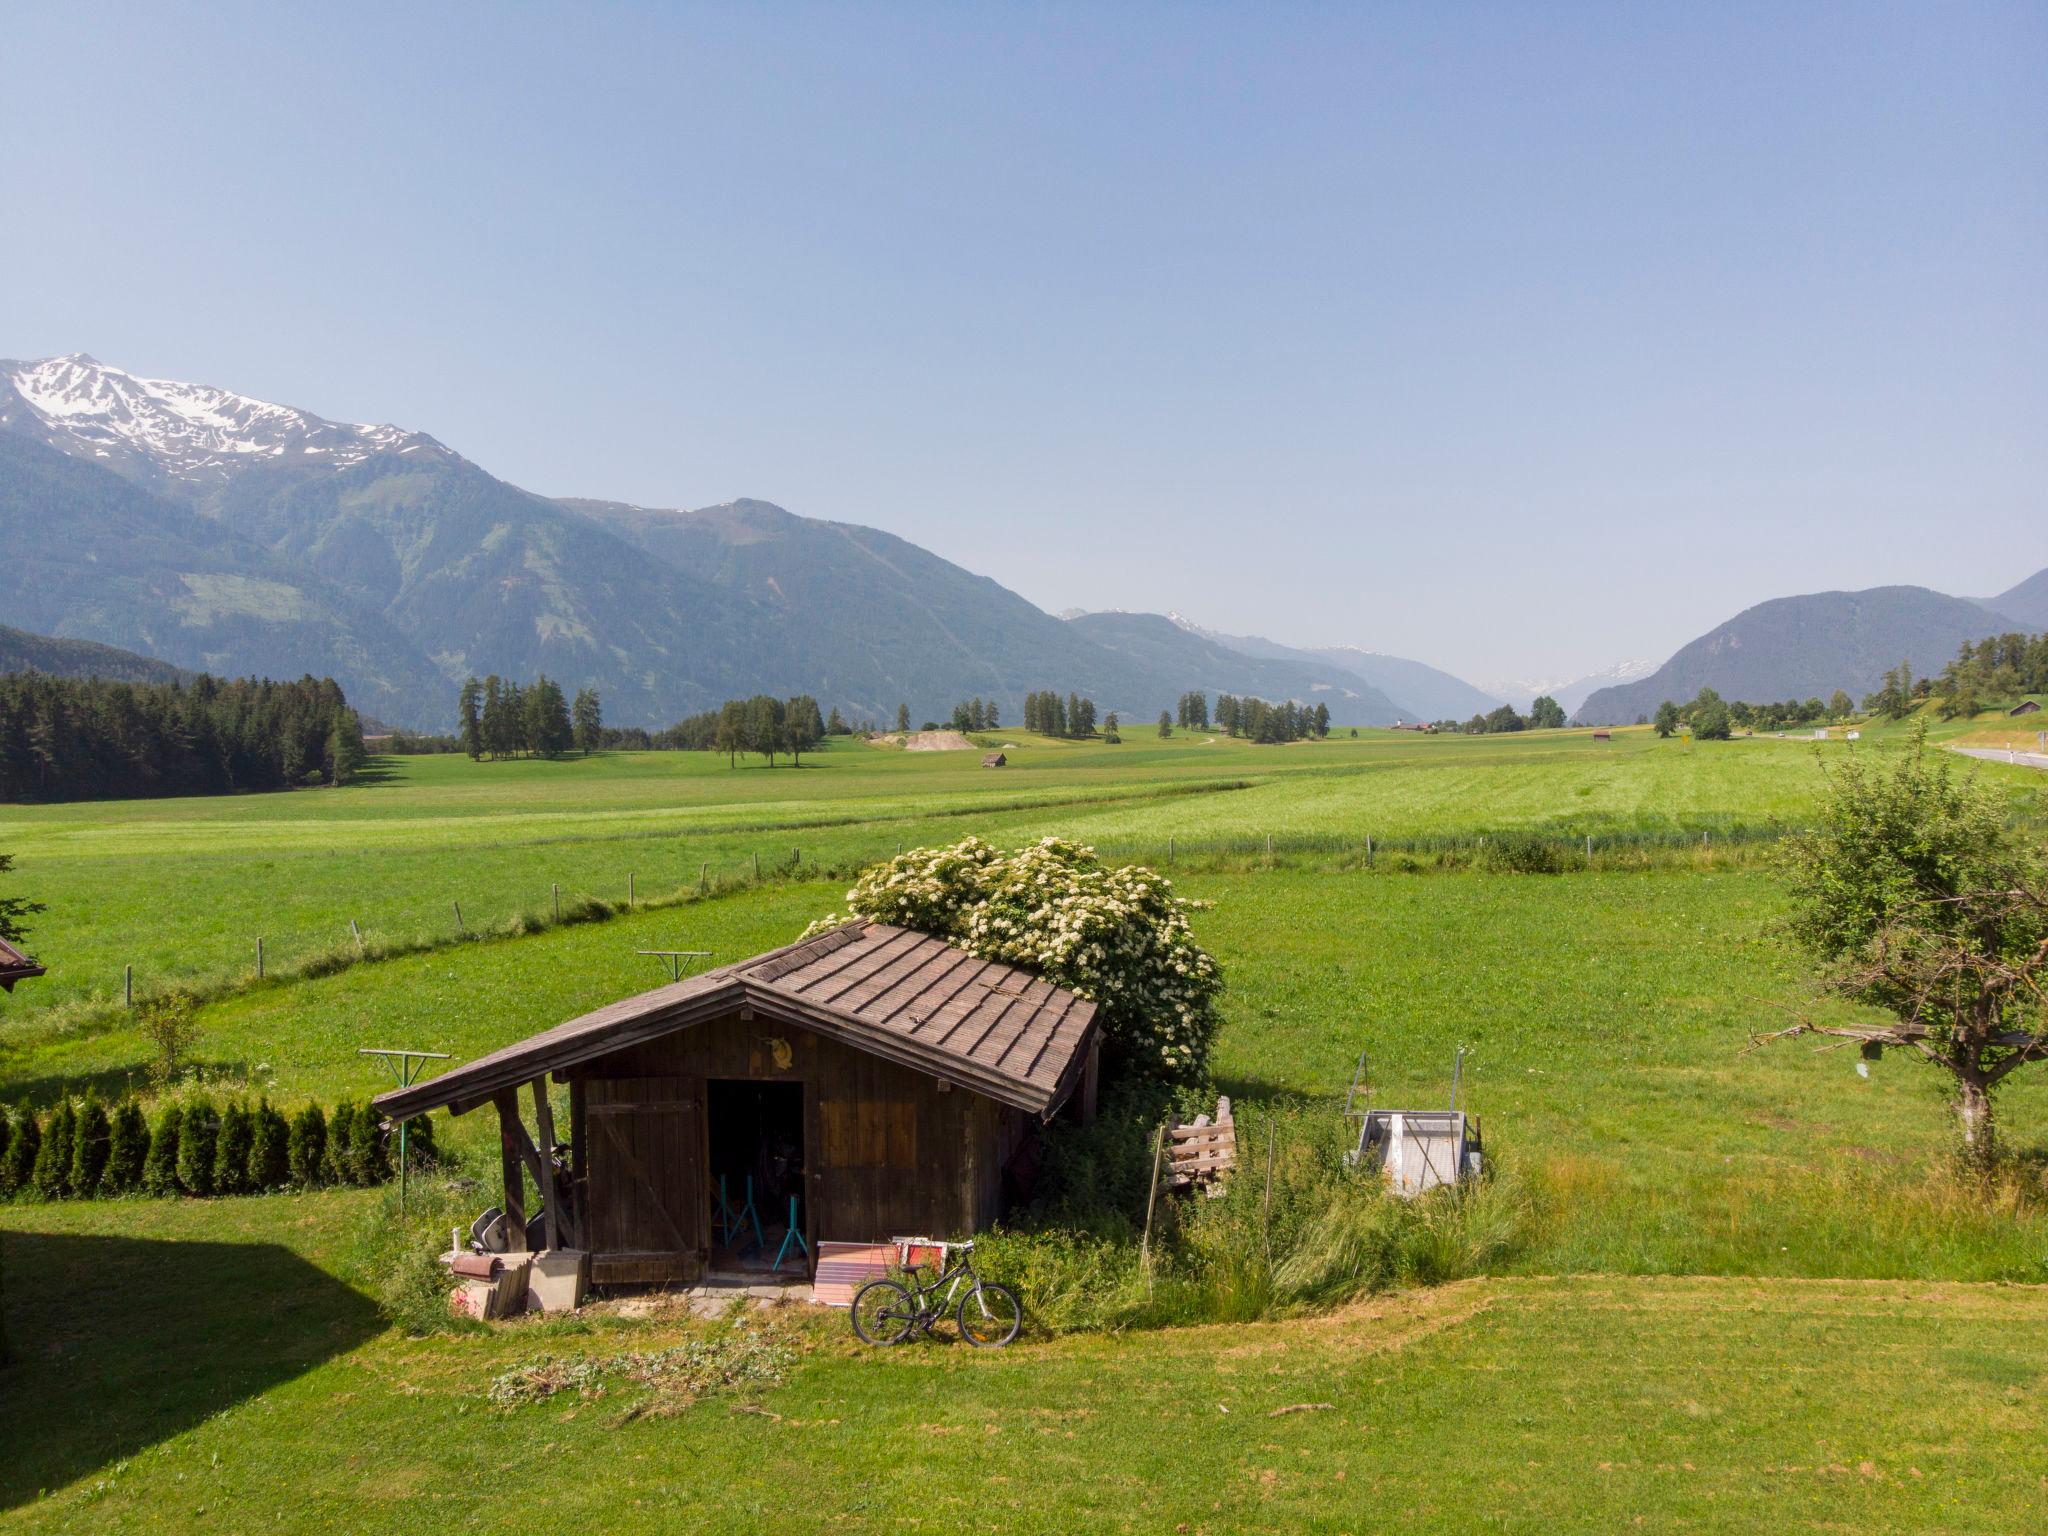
<point x="792" y="1234"/>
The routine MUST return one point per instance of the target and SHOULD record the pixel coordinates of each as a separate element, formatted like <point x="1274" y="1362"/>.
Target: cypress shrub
<point x="307" y="1150"/>
<point x="53" y="1157"/>
<point x="18" y="1171"/>
<point x="160" y="1168"/>
<point x="341" y="1135"/>
<point x="198" y="1146"/>
<point x="368" y="1155"/>
<point x="232" y="1147"/>
<point x="127" y="1149"/>
<point x="420" y="1150"/>
<point x="89" y="1147"/>
<point x="269" y="1155"/>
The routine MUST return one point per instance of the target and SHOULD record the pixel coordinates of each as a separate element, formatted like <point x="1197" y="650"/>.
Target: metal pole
<point x="401" y="1166"/>
<point x="1151" y="1199"/>
<point x="458" y="919"/>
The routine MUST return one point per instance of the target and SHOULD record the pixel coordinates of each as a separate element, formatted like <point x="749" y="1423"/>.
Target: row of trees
<point x="500" y="718"/>
<point x="1994" y="671"/>
<point x="1711" y="718"/>
<point x="1048" y="714"/>
<point x="85" y="739"/>
<point x="84" y="1150"/>
<point x="763" y="724"/>
<point x="974" y="715"/>
<point x="1257" y="720"/>
<point x="1192" y="713"/>
<point x="1545" y="714"/>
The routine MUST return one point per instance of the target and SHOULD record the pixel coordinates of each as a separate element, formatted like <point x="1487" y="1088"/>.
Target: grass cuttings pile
<point x="655" y="1383"/>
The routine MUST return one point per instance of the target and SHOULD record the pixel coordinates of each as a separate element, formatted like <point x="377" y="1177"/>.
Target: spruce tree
<point x="468" y="706"/>
<point x="52" y="1175"/>
<point x="127" y="1149"/>
<point x="1165" y="724"/>
<point x="160" y="1168"/>
<point x="903" y="717"/>
<point x="17" y="1175"/>
<point x="198" y="1146"/>
<point x="232" y="1147"/>
<point x="589" y="721"/>
<point x="89" y="1147"/>
<point x="307" y="1150"/>
<point x="341" y="1131"/>
<point x="369" y="1160"/>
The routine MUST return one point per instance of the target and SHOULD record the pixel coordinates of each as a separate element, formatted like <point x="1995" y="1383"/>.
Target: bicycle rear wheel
<point x="990" y="1316"/>
<point x="882" y="1312"/>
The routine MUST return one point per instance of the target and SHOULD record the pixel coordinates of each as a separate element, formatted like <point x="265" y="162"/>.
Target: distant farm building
<point x="1603" y="735"/>
<point x="2026" y="707"/>
<point x="884" y="1080"/>
<point x="15" y="966"/>
<point x="994" y="760"/>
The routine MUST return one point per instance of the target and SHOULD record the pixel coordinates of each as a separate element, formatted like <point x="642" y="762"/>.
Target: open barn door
<point x="644" y="1143"/>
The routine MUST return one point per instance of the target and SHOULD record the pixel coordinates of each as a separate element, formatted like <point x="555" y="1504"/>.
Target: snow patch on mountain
<point x="1570" y="692"/>
<point x="190" y="435"/>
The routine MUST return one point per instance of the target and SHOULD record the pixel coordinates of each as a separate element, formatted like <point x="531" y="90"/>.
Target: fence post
<point x="796" y="857"/>
<point x="555" y="889"/>
<point x="757" y="866"/>
<point x="630" y="896"/>
<point x="1589" y="850"/>
<point x="259" y="957"/>
<point x="703" y="879"/>
<point x="1269" y="847"/>
<point x="1151" y="1199"/>
<point x="128" y="985"/>
<point x="1368" y="848"/>
<point x="1266" y="1211"/>
<point x="460" y="927"/>
<point x="1169" y="850"/>
<point x="355" y="932"/>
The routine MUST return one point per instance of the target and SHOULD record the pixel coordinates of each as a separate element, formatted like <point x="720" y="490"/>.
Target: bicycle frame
<point x="920" y="1289"/>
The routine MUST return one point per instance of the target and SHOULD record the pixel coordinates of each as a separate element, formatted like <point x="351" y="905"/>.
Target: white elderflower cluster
<point x="1118" y="936"/>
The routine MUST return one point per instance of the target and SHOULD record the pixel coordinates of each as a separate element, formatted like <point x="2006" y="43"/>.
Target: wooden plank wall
<point x="886" y="1151"/>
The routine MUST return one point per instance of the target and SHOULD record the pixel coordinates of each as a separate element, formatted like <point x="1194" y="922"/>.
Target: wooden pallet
<point x="1201" y="1154"/>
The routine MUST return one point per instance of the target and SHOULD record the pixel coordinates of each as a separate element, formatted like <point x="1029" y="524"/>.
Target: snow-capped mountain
<point x="176" y="437"/>
<point x="1570" y="692"/>
<point x="1424" y="692"/>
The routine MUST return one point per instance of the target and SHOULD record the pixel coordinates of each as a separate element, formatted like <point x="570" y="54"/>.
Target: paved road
<point x="2000" y="755"/>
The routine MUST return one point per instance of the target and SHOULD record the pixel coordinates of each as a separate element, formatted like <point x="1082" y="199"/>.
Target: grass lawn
<point x="213" y="1374"/>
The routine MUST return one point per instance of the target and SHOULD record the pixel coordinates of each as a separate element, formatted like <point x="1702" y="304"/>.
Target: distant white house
<point x="1855" y="735"/>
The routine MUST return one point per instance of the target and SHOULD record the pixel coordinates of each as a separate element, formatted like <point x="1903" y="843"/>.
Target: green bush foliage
<point x="232" y="1147"/>
<point x="127" y="1149"/>
<point x="1115" y="934"/>
<point x="89" y="1147"/>
<point x="198" y="1146"/>
<point x="1524" y="853"/>
<point x="53" y="1158"/>
<point x="24" y="1137"/>
<point x="369" y="1161"/>
<point x="160" y="1168"/>
<point x="341" y="1135"/>
<point x="306" y="1151"/>
<point x="270" y="1152"/>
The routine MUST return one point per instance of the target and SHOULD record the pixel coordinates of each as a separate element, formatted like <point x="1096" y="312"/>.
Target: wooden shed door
<point x="645" y="1140"/>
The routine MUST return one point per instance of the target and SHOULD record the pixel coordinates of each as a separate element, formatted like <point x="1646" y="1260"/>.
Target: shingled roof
<point x="908" y="997"/>
<point x="15" y="966"/>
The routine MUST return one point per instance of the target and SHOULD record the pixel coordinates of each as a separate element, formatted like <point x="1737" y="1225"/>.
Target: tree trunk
<point x="1973" y="1111"/>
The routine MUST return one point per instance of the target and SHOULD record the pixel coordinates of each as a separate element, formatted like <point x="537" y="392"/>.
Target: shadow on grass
<point x="118" y="1343"/>
<point x="227" y="1079"/>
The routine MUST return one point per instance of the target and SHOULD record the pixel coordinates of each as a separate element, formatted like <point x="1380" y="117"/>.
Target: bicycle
<point x="887" y="1312"/>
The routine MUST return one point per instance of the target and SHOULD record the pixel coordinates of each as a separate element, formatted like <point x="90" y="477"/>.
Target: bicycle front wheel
<point x="882" y="1313"/>
<point x="990" y="1316"/>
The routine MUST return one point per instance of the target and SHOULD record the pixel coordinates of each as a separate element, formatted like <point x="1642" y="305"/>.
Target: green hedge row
<point x="85" y="1150"/>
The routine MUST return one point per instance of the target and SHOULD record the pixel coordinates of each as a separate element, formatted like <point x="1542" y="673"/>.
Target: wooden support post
<point x="128" y="985"/>
<point x="551" y="1192"/>
<point x="259" y="957"/>
<point x="630" y="894"/>
<point x="1152" y="1199"/>
<point x="703" y="879"/>
<point x="1091" y="1079"/>
<point x="509" y="1137"/>
<point x="355" y="932"/>
<point x="556" y="888"/>
<point x="1269" y="847"/>
<point x="1368" y="848"/>
<point x="459" y="928"/>
<point x="1266" y="1210"/>
<point x="757" y="866"/>
<point x="1169" y="850"/>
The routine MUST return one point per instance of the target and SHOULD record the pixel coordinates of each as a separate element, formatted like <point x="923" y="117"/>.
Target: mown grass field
<point x="1778" y="1312"/>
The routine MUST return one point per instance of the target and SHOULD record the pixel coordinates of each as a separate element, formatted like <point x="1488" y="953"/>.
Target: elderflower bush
<point x="1118" y="936"/>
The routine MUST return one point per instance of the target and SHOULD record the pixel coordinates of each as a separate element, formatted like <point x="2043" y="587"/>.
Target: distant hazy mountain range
<point x="1808" y="646"/>
<point x="212" y="530"/>
<point x="1570" y="692"/>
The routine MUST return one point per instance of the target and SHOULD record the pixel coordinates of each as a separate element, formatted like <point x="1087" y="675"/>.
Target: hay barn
<point x="885" y="1079"/>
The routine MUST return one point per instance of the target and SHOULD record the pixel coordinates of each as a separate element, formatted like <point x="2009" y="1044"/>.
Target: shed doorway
<point x="754" y="1135"/>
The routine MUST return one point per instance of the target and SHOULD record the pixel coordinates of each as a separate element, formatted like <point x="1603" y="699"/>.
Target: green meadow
<point x="1743" y="1287"/>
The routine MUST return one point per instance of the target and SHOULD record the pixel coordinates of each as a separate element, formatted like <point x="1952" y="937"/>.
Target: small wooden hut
<point x="15" y="966"/>
<point x="886" y="1079"/>
<point x="994" y="760"/>
<point x="2026" y="707"/>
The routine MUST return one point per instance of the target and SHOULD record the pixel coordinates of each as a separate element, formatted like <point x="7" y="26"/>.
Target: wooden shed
<point x="886" y="1079"/>
<point x="15" y="966"/>
<point x="994" y="760"/>
<point x="2026" y="707"/>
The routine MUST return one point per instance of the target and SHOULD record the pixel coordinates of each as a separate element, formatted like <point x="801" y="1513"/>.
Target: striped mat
<point x="844" y="1268"/>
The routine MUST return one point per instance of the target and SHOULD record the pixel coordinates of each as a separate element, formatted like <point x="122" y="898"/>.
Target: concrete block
<point x="558" y="1279"/>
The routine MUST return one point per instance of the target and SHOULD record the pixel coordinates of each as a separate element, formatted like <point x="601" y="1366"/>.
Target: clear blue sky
<point x="1516" y="338"/>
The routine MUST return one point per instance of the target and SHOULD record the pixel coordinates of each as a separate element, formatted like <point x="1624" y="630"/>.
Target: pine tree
<point x="89" y="1147"/>
<point x="834" y="724"/>
<point x="307" y="1150"/>
<point x="589" y="717"/>
<point x="198" y="1146"/>
<point x="1165" y="725"/>
<point x="18" y="1171"/>
<point x="52" y="1176"/>
<point x="903" y="717"/>
<point x="127" y="1149"/>
<point x="468" y="705"/>
<point x="345" y="754"/>
<point x="160" y="1168"/>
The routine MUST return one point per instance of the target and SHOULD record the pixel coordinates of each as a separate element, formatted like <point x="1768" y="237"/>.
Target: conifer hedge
<point x="82" y="1150"/>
